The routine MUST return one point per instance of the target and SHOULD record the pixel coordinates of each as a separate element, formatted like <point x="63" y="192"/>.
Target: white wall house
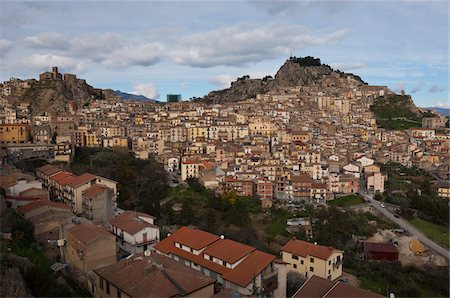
<point x="135" y="231"/>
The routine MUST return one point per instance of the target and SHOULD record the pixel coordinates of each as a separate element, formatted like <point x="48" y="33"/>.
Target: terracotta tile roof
<point x="193" y="238"/>
<point x="39" y="204"/>
<point x="304" y="249"/>
<point x="49" y="171"/>
<point x="58" y="177"/>
<point x="318" y="287"/>
<point x="253" y="264"/>
<point x="94" y="191"/>
<point x="33" y="191"/>
<point x="44" y="167"/>
<point x="228" y="250"/>
<point x="76" y="181"/>
<point x="87" y="233"/>
<point x="154" y="276"/>
<point x="130" y="222"/>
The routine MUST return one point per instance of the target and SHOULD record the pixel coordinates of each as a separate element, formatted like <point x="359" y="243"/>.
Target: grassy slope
<point x="346" y="201"/>
<point x="436" y="232"/>
<point x="395" y="106"/>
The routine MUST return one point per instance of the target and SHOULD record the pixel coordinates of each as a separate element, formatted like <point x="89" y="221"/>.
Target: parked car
<point x="396" y="215"/>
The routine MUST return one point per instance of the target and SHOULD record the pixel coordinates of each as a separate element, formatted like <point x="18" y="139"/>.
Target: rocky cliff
<point x="53" y="96"/>
<point x="295" y="72"/>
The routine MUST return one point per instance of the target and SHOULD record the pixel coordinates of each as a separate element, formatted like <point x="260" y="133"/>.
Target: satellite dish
<point x="222" y="237"/>
<point x="147" y="253"/>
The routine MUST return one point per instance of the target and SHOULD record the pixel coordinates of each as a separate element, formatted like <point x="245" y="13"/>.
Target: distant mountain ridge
<point x="443" y="111"/>
<point x="129" y="96"/>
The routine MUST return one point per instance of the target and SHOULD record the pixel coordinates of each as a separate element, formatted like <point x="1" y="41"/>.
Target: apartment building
<point x="310" y="259"/>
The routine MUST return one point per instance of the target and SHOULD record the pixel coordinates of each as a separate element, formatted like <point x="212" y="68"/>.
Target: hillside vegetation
<point x="396" y="112"/>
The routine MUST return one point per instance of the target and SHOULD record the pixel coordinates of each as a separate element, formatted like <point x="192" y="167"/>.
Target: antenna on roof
<point x="147" y="253"/>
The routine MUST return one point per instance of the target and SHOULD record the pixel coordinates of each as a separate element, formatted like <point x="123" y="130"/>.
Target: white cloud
<point x="5" y="47"/>
<point x="47" y="40"/>
<point x="96" y="47"/>
<point x="222" y="81"/>
<point x="43" y="62"/>
<point x="242" y="44"/>
<point x="147" y="89"/>
<point x="444" y="105"/>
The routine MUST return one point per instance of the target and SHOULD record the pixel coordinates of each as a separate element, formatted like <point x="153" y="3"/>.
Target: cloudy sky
<point x="155" y="48"/>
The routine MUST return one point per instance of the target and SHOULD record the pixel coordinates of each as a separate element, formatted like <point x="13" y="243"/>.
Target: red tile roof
<point x="253" y="264"/>
<point x="193" y="238"/>
<point x="87" y="233"/>
<point x="58" y="177"/>
<point x="49" y="171"/>
<point x="39" y="204"/>
<point x="130" y="222"/>
<point x="318" y="287"/>
<point x="154" y="276"/>
<point x="94" y="191"/>
<point x="228" y="250"/>
<point x="304" y="249"/>
<point x="79" y="180"/>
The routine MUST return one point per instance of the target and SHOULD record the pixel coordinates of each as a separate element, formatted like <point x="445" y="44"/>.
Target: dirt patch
<point x="406" y="256"/>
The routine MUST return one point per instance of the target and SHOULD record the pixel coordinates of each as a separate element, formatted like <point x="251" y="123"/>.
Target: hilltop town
<point x="310" y="137"/>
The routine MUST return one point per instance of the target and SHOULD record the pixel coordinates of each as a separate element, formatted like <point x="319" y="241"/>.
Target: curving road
<point x="408" y="227"/>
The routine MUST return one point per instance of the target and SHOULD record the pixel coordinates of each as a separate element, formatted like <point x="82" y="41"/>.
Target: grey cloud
<point x="436" y="89"/>
<point x="243" y="44"/>
<point x="47" y="40"/>
<point x="141" y="55"/>
<point x="112" y="50"/>
<point x="5" y="47"/>
<point x="347" y="66"/>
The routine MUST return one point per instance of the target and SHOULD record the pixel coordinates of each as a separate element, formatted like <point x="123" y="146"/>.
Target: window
<point x="311" y="269"/>
<point x="101" y="283"/>
<point x="294" y="257"/>
<point x="295" y="266"/>
<point x="329" y="263"/>
<point x="107" y="287"/>
<point x="119" y="294"/>
<point x="311" y="260"/>
<point x="329" y="271"/>
<point x="302" y="262"/>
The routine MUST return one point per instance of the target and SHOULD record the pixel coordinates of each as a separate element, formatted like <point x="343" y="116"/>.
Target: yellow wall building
<point x="310" y="259"/>
<point x="14" y="133"/>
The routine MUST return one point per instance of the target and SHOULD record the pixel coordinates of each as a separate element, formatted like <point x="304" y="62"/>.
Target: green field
<point x="435" y="232"/>
<point x="346" y="201"/>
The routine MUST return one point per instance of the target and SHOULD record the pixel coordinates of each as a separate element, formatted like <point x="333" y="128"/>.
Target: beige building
<point x="310" y="259"/>
<point x="87" y="246"/>
<point x="98" y="203"/>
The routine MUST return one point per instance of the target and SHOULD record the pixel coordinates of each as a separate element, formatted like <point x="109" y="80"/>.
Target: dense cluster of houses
<point x="117" y="253"/>
<point x="304" y="143"/>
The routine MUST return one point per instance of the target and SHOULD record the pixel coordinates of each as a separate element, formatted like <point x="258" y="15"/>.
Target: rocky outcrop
<point x="53" y="96"/>
<point x="294" y="73"/>
<point x="12" y="282"/>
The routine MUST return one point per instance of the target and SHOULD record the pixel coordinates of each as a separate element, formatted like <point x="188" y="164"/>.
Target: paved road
<point x="408" y="227"/>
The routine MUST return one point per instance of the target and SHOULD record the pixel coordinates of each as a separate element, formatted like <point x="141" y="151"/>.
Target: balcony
<point x="270" y="281"/>
<point x="337" y="264"/>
